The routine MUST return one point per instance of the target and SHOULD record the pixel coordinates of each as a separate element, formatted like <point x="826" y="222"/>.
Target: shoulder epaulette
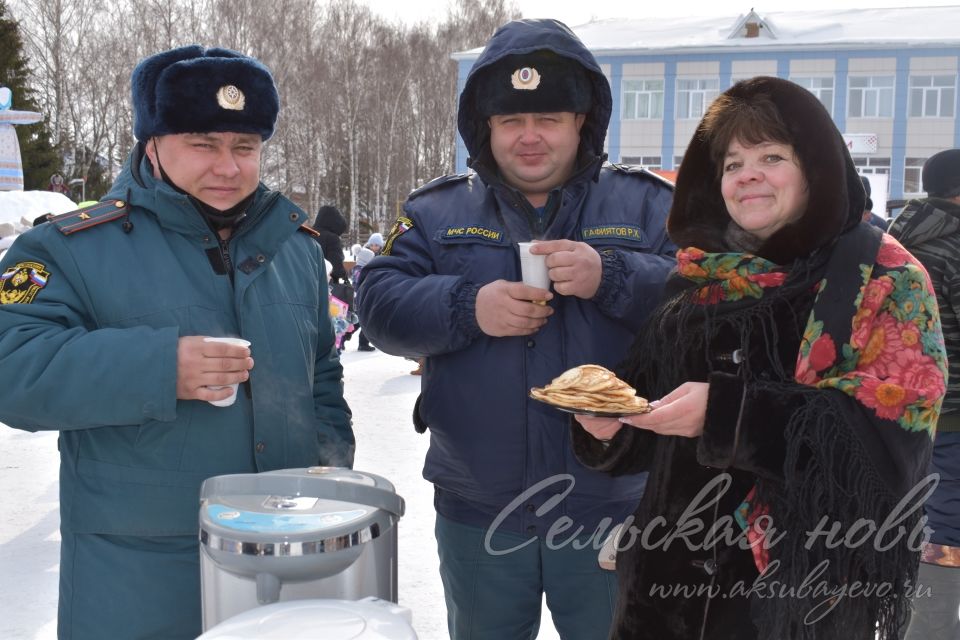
<point x="309" y="230"/>
<point x="86" y="217"/>
<point x="439" y="182"/>
<point x="637" y="170"/>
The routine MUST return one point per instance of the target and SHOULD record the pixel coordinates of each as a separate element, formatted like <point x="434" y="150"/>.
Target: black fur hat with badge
<point x="195" y="90"/>
<point x="536" y="82"/>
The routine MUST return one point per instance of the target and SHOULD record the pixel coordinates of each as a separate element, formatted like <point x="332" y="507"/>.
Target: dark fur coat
<point x="798" y="449"/>
<point x="680" y="470"/>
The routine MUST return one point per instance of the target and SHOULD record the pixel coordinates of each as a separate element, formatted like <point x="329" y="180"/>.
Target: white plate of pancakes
<point x="591" y="390"/>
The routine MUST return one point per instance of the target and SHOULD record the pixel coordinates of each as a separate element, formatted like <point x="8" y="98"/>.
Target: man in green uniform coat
<point x="103" y="314"/>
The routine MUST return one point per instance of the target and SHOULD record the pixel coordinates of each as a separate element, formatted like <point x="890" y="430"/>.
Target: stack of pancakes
<point x="591" y="387"/>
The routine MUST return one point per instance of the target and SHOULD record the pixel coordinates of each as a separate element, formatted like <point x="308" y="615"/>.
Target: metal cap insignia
<point x="525" y="79"/>
<point x="230" y="97"/>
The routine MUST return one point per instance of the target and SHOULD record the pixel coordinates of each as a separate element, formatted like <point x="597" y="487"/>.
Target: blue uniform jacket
<point x="93" y="354"/>
<point x="494" y="452"/>
<point x="488" y="440"/>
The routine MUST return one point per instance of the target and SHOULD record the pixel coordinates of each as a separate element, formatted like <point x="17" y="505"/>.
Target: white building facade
<point x="888" y="77"/>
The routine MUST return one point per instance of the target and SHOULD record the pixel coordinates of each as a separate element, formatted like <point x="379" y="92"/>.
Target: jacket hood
<point x="522" y="37"/>
<point x="924" y="220"/>
<point x="330" y="219"/>
<point x="699" y="216"/>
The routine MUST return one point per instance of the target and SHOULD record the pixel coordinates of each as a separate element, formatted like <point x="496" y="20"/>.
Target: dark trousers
<point x="495" y="597"/>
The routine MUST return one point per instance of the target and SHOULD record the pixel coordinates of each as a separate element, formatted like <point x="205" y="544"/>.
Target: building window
<point x="642" y="99"/>
<point x="912" y="169"/>
<point x="871" y="165"/>
<point x="647" y="162"/>
<point x="870" y="97"/>
<point x="694" y="96"/>
<point x="677" y="161"/>
<point x="932" y="96"/>
<point x="820" y="87"/>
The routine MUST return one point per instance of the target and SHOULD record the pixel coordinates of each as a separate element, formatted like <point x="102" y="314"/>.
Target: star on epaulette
<point x="87" y="217"/>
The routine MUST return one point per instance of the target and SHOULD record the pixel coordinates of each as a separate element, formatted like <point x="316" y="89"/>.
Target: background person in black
<point x="930" y="229"/>
<point x="331" y="224"/>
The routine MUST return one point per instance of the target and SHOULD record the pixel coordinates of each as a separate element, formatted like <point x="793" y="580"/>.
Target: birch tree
<point x="368" y="108"/>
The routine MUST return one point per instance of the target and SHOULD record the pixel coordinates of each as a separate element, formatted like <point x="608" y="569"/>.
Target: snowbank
<point x="19" y="208"/>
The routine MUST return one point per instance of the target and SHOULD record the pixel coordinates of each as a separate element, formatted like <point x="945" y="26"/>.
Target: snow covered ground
<point x="381" y="393"/>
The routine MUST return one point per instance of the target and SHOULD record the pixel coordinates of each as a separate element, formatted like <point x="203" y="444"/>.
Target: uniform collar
<point x="175" y="211"/>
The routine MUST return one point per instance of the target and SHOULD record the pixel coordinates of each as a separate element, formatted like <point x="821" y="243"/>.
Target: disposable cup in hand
<point x="533" y="268"/>
<point x="229" y="400"/>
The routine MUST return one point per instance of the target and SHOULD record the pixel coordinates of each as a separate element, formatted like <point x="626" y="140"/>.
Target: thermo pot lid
<point x="297" y="506"/>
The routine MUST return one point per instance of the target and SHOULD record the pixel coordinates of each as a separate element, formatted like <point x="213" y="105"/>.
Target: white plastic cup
<point x="533" y="268"/>
<point x="229" y="400"/>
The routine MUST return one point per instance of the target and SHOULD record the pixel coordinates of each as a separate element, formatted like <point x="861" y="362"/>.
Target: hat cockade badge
<point x="525" y="79"/>
<point x="230" y="97"/>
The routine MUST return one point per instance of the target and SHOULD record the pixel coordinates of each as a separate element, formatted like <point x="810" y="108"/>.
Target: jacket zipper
<point x="225" y="257"/>
<point x="224" y="245"/>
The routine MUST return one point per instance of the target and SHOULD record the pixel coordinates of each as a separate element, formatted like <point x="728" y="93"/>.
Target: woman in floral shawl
<point x="799" y="366"/>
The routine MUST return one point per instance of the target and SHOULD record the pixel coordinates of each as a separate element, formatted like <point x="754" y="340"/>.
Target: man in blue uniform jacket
<point x="103" y="314"/>
<point x="515" y="510"/>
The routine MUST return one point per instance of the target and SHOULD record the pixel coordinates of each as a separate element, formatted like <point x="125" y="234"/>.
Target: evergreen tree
<point x="40" y="159"/>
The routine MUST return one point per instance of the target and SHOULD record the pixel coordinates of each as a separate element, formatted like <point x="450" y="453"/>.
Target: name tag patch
<point x="21" y="282"/>
<point x="472" y="233"/>
<point x="613" y="232"/>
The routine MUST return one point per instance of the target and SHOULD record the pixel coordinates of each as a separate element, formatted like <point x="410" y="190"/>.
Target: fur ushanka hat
<point x="536" y="82"/>
<point x="699" y="217"/>
<point x="941" y="174"/>
<point x="196" y="90"/>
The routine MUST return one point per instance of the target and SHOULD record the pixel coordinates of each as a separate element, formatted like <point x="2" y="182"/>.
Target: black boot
<point x="364" y="343"/>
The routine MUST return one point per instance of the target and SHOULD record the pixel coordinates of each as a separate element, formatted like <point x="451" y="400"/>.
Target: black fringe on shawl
<point x="826" y="472"/>
<point x="827" y="475"/>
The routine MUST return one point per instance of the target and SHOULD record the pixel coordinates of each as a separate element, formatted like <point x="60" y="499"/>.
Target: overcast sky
<point x="575" y="12"/>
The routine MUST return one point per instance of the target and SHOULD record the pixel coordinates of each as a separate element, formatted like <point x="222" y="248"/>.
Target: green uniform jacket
<point x="88" y="346"/>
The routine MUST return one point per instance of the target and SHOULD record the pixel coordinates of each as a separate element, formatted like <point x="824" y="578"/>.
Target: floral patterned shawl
<point x="873" y="335"/>
<point x="891" y="356"/>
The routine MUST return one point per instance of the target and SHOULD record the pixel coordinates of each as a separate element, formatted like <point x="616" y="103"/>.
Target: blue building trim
<point x="463" y="69"/>
<point x="841" y="74"/>
<point x="669" y="107"/>
<point x="726" y="74"/>
<point x="613" y="131"/>
<point x="956" y="114"/>
<point x="783" y="66"/>
<point x="898" y="145"/>
<point x="783" y="59"/>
